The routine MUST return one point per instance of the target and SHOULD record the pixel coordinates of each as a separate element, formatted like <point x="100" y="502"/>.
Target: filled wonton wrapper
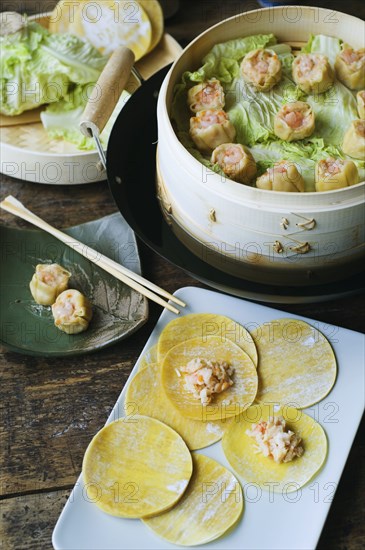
<point x="72" y="312"/>
<point x="283" y="176"/>
<point x="236" y="161"/>
<point x="360" y="97"/>
<point x="350" y="67"/>
<point x="333" y="174"/>
<point x="253" y="467"/>
<point x="224" y="404"/>
<point x="145" y="395"/>
<point x="294" y="121"/>
<point x="48" y="281"/>
<point x="206" y="95"/>
<point x="262" y="69"/>
<point x="354" y="140"/>
<point x="313" y="73"/>
<point x="211" y="128"/>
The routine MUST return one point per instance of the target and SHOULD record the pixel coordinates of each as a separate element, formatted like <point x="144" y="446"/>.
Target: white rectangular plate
<point x="275" y="521"/>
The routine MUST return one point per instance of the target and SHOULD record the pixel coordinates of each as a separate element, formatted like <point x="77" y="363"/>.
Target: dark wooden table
<point x="50" y="409"/>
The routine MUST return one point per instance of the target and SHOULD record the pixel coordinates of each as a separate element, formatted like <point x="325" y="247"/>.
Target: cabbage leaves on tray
<point x="38" y="67"/>
<point x="252" y="112"/>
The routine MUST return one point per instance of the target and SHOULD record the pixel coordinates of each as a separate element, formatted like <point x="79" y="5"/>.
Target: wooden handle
<point x="106" y="92"/>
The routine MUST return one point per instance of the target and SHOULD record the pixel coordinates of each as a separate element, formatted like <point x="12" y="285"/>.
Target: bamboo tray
<point x="28" y="153"/>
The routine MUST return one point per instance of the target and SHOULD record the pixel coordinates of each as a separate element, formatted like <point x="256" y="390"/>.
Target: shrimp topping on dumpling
<point x="283" y="176"/>
<point x="262" y="69"/>
<point x="333" y="174"/>
<point x="48" y="281"/>
<point x="294" y="121"/>
<point x="211" y="128"/>
<point x="72" y="312"/>
<point x="313" y="73"/>
<point x="206" y="95"/>
<point x="360" y="97"/>
<point x="350" y="67"/>
<point x="236" y="161"/>
<point x="354" y="140"/>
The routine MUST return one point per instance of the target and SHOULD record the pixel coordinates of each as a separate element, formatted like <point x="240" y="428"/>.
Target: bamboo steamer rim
<point x="231" y="187"/>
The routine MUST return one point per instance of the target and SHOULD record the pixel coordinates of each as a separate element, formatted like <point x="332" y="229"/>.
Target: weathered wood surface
<point x="50" y="409"/>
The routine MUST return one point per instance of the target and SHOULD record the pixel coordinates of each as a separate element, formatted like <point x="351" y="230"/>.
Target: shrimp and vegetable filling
<point x="205" y="379"/>
<point x="48" y="281"/>
<point x="312" y="73"/>
<point x="262" y="69"/>
<point x="350" y="67"/>
<point x="211" y="128"/>
<point x="274" y="440"/>
<point x="294" y="121"/>
<point x="72" y="312"/>
<point x="207" y="95"/>
<point x="236" y="161"/>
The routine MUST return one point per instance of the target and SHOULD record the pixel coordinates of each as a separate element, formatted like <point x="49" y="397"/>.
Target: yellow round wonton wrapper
<point x="155" y="14"/>
<point x="203" y="325"/>
<point x="145" y="396"/>
<point x="297" y="365"/>
<point x="148" y="358"/>
<point x="252" y="466"/>
<point x="230" y="402"/>
<point x="136" y="467"/>
<point x="212" y="504"/>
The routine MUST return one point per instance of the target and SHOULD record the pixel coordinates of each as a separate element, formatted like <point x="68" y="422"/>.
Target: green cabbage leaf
<point x="37" y="67"/>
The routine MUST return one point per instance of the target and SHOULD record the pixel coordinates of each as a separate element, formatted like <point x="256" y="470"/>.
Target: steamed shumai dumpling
<point x="206" y="95"/>
<point x="48" y="281"/>
<point x="262" y="69"/>
<point x="294" y="121"/>
<point x="333" y="174"/>
<point x="283" y="176"/>
<point x="211" y="128"/>
<point x="72" y="312"/>
<point x="350" y="67"/>
<point x="313" y="73"/>
<point x="360" y="97"/>
<point x="236" y="161"/>
<point x="354" y="140"/>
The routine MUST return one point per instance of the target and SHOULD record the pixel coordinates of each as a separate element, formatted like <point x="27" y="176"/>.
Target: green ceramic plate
<point x="27" y="327"/>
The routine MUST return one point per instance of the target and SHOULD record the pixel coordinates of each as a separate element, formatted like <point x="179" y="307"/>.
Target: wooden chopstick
<point x="135" y="281"/>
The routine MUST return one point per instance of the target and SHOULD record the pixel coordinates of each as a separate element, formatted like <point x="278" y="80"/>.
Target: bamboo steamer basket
<point x="28" y="153"/>
<point x="270" y="237"/>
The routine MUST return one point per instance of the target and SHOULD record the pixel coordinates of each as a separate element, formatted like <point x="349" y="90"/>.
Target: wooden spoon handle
<point x="106" y="92"/>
